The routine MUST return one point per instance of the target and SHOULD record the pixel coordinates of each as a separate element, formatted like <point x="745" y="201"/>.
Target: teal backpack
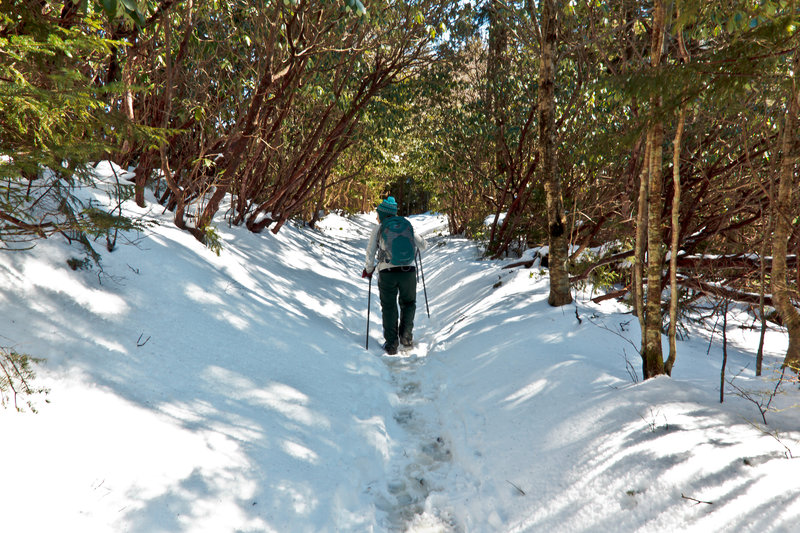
<point x="397" y="236"/>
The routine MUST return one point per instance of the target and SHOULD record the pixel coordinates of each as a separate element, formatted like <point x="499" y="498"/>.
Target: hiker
<point x="396" y="246"/>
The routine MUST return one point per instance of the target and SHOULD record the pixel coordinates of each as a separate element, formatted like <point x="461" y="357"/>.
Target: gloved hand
<point x="365" y="274"/>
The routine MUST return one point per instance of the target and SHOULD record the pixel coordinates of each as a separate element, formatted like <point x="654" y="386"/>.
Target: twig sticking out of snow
<point x="522" y="492"/>
<point x="695" y="500"/>
<point x="761" y="401"/>
<point x="774" y="434"/>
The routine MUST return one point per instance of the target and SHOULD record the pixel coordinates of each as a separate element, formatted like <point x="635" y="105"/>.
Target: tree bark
<point x="761" y="310"/>
<point x="676" y="229"/>
<point x="785" y="213"/>
<point x="653" y="361"/>
<point x="724" y="351"/>
<point x="559" y="274"/>
<point x="637" y="285"/>
<point x="495" y="71"/>
<point x="676" y="220"/>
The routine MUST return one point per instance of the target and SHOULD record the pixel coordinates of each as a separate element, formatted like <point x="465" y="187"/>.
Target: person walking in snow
<point x="396" y="244"/>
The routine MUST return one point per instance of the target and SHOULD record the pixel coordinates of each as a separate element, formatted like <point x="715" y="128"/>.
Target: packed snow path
<point x="416" y="470"/>
<point x="195" y="393"/>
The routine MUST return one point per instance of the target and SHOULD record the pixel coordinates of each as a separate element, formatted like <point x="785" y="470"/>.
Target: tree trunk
<point x="761" y="310"/>
<point x="496" y="71"/>
<point x="785" y="213"/>
<point x="559" y="275"/>
<point x="320" y="204"/>
<point x="676" y="217"/>
<point x="724" y="351"/>
<point x="141" y="176"/>
<point x="676" y="229"/>
<point x="653" y="361"/>
<point x="637" y="284"/>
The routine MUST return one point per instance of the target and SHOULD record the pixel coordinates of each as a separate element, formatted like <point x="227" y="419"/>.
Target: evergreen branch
<point x="38" y="229"/>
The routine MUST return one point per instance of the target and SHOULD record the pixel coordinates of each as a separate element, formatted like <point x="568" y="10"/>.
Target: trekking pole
<point x="369" y="306"/>
<point x="421" y="273"/>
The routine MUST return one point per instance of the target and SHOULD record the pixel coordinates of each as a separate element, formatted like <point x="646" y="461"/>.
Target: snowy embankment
<point x="191" y="393"/>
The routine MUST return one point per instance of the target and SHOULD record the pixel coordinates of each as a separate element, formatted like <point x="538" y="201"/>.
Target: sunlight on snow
<point x="201" y="295"/>
<point x="193" y="413"/>
<point x="525" y="393"/>
<point x="551" y="338"/>
<point x="139" y="461"/>
<point x="303" y="502"/>
<point x="281" y="398"/>
<point x="235" y="320"/>
<point x="204" y="296"/>
<point x="285" y="400"/>
<point x="222" y="424"/>
<point x="111" y="346"/>
<point x="300" y="259"/>
<point x="374" y="431"/>
<point x="62" y="281"/>
<point x="298" y="451"/>
<point x="216" y="488"/>
<point x="327" y="309"/>
<point x="237" y="273"/>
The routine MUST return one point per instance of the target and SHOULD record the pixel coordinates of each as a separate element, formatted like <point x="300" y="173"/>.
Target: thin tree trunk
<point x="761" y="310"/>
<point x="724" y="352"/>
<point x="320" y="204"/>
<point x="141" y="175"/>
<point x="676" y="229"/>
<point x="653" y="355"/>
<point x="127" y="103"/>
<point x="559" y="274"/>
<point x="785" y="211"/>
<point x="676" y="219"/>
<point x="637" y="285"/>
<point x="498" y="45"/>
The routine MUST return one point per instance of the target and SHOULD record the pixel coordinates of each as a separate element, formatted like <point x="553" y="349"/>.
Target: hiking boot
<point x="390" y="349"/>
<point x="406" y="340"/>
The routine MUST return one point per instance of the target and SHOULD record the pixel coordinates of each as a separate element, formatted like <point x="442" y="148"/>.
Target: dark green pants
<point x="397" y="287"/>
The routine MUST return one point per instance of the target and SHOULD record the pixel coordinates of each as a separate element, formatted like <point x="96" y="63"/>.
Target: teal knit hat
<point x="388" y="207"/>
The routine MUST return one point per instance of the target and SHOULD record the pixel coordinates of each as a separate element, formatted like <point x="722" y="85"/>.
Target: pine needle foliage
<point x="54" y="120"/>
<point x="17" y="375"/>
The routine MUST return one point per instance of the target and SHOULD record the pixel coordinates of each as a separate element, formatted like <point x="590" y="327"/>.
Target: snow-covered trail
<point x="421" y="453"/>
<point x="558" y="437"/>
<point x="429" y="479"/>
<point x="425" y="453"/>
<point x="192" y="393"/>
